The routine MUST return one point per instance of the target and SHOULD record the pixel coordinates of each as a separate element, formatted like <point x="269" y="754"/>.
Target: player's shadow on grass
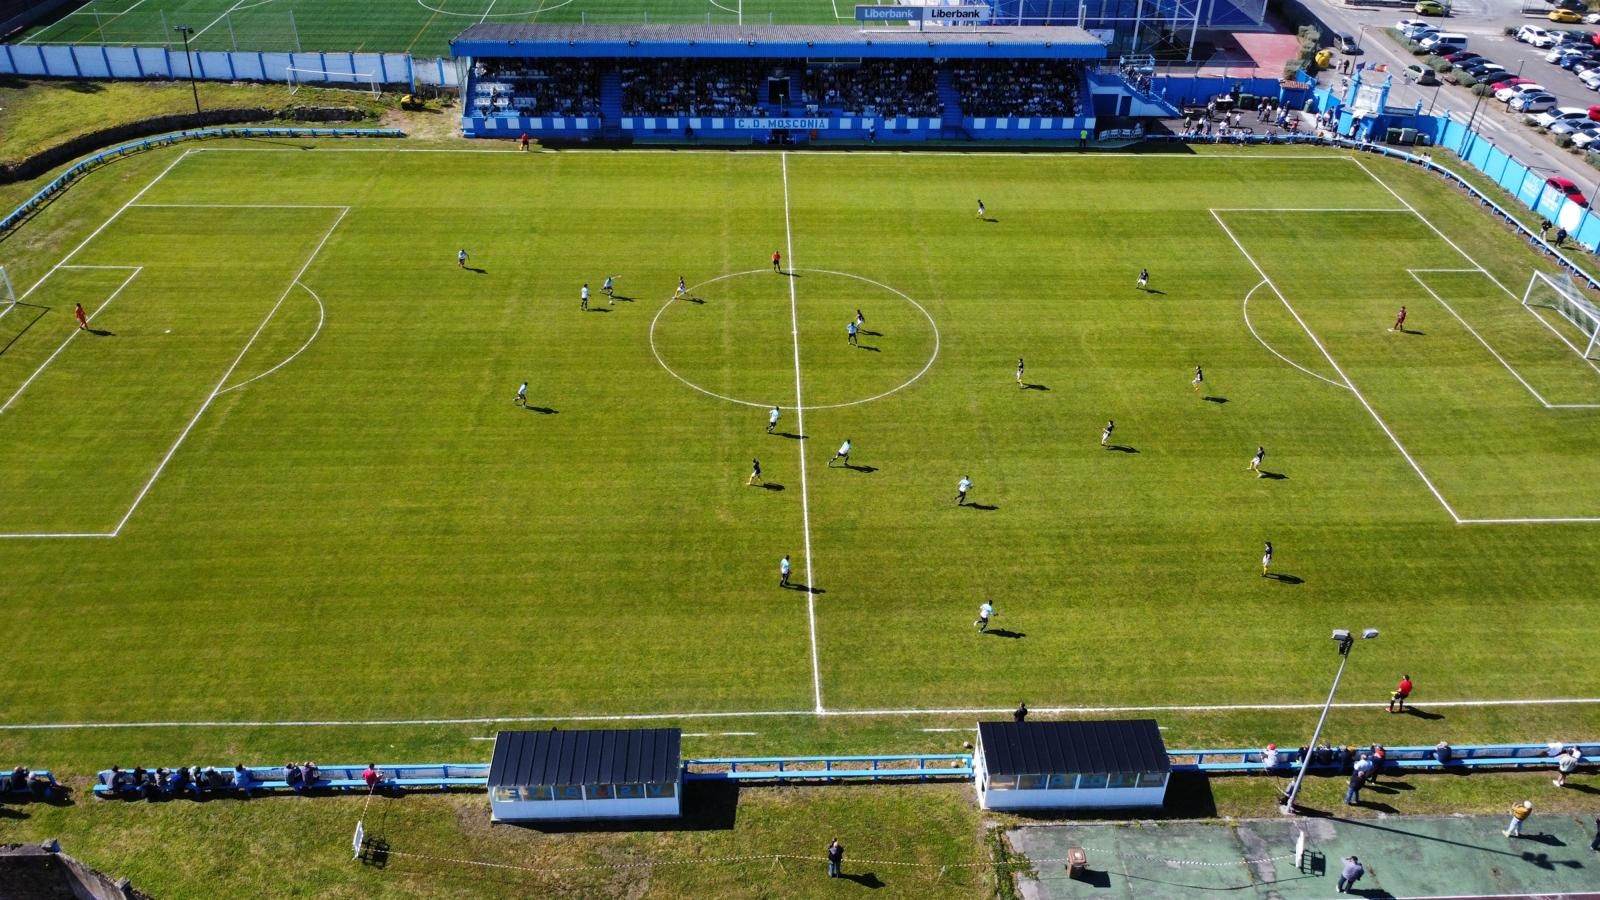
<point x="543" y="410"/>
<point x="805" y="588"/>
<point x="476" y="270"/>
<point x="772" y="486"/>
<point x="622" y="298"/>
<point x="1425" y="716"/>
<point x="992" y="221"/>
<point x="790" y="435"/>
<point x="1217" y="400"/>
<point x="1122" y="448"/>
<point x="1029" y="386"/>
<point x="855" y="468"/>
<point x="1007" y="633"/>
<point x="695" y="300"/>
<point x="101" y="332"/>
<point x="599" y="309"/>
<point x="868" y="347"/>
<point x="1274" y="476"/>
<point x="866" y="333"/>
<point x="1284" y="577"/>
<point x="1149" y="290"/>
<point x="986" y="507"/>
<point x="865" y="879"/>
<point x="1410" y="331"/>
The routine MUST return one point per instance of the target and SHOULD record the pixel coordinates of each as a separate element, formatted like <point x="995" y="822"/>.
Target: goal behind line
<point x="1563" y="294"/>
<point x="8" y="297"/>
<point x="366" y="82"/>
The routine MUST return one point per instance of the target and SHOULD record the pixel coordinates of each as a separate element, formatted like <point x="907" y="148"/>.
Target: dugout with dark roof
<point x="1070" y="765"/>
<point x="605" y="774"/>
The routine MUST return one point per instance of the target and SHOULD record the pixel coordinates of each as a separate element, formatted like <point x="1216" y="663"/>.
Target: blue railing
<point x="84" y="166"/>
<point x="1238" y="761"/>
<point x="830" y="768"/>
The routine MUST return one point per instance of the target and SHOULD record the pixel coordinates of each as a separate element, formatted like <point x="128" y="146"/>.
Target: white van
<point x="1444" y="42"/>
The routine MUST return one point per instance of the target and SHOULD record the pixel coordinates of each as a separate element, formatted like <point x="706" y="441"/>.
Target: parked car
<point x="1535" y="35"/>
<point x="1558" y="53"/>
<point x="1461" y="56"/>
<point x="1488" y="74"/>
<point x="1345" y="42"/>
<point x="1533" y="103"/>
<point x="1416" y="29"/>
<point x="1556" y="15"/>
<point x="1583" y="64"/>
<point x="1583" y="139"/>
<point x="1572" y="126"/>
<point x="1435" y="8"/>
<point x="1573" y="60"/>
<point x="1569" y="38"/>
<point x="1421" y="74"/>
<point x="1505" y="90"/>
<point x="1551" y="116"/>
<point x="1590" y="19"/>
<point x="1568" y="189"/>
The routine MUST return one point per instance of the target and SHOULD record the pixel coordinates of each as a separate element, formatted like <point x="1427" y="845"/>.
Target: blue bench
<point x="830" y="768"/>
<point x="40" y="785"/>
<point x="1471" y="756"/>
<point x="271" y="779"/>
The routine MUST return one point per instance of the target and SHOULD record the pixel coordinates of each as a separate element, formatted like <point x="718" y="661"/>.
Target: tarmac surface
<point x="1404" y="857"/>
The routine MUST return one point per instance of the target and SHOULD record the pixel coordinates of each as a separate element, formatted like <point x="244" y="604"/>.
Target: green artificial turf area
<point x="421" y="27"/>
<point x="294" y="417"/>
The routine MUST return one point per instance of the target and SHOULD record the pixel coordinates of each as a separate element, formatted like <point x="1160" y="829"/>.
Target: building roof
<point x="622" y="756"/>
<point x="1043" y="748"/>
<point x="776" y="41"/>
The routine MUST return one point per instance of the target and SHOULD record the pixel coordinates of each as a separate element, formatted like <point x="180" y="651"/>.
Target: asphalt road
<point x="1483" y="21"/>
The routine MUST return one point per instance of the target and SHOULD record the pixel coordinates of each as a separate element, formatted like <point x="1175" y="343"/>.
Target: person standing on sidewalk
<point x="1595" y="844"/>
<point x="1350" y="874"/>
<point x="1519" y="814"/>
<point x="835" y="859"/>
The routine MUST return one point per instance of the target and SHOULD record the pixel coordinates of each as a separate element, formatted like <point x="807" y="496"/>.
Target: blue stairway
<point x="611" y="104"/>
<point x="950" y="100"/>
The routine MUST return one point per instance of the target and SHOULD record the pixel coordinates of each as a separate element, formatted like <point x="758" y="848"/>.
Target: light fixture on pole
<point x="189" y="60"/>
<point x="1346" y="641"/>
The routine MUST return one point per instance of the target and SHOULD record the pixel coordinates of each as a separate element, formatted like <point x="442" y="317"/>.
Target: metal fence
<point x="138" y="63"/>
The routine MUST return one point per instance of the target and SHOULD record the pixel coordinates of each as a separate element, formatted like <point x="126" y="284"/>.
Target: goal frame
<point x="1574" y="307"/>
<point x="363" y="82"/>
<point x="8" y="296"/>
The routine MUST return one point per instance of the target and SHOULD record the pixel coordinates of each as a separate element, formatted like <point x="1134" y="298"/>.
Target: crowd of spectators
<point x="1017" y="88"/>
<point x="673" y="87"/>
<point x="566" y="88"/>
<point x="886" y="88"/>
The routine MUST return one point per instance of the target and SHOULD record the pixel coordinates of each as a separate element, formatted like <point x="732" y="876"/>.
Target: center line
<point x="800" y="425"/>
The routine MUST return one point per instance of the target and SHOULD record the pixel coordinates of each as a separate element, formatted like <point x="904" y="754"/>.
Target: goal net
<point x="8" y="297"/>
<point x="1563" y="295"/>
<point x="364" y="82"/>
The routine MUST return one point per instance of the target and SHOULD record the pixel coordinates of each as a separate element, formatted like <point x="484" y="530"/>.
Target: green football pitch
<point x="282" y="476"/>
<point x="421" y="27"/>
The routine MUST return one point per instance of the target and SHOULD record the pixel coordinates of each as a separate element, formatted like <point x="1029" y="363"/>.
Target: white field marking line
<point x="510" y="15"/>
<point x="252" y="5"/>
<point x="726" y="9"/>
<point x="239" y="206"/>
<point x="1329" y="357"/>
<point x="1245" y="311"/>
<point x="945" y="154"/>
<point x="225" y="13"/>
<point x="74" y="333"/>
<point x="1310" y="209"/>
<point x="78" y="266"/>
<point x="1552" y="520"/>
<point x="800" y="425"/>
<point x="105" y="16"/>
<point x="1514" y="373"/>
<point x="215" y="392"/>
<point x="721" y="734"/>
<point x="57" y="534"/>
<point x="1466" y="256"/>
<point x="1553" y="330"/>
<point x="322" y="316"/>
<point x="774" y="713"/>
<point x="491" y="9"/>
<point x="96" y="233"/>
<point x="932" y="357"/>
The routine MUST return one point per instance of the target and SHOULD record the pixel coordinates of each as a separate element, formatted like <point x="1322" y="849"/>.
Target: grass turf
<point x="375" y="531"/>
<point x="421" y="27"/>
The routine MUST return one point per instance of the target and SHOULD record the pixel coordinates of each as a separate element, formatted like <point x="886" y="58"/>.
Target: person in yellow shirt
<point x="1519" y="814"/>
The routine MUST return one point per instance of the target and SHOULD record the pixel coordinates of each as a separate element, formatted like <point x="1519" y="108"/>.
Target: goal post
<point x="8" y="297"/>
<point x="365" y="82"/>
<point x="1562" y="294"/>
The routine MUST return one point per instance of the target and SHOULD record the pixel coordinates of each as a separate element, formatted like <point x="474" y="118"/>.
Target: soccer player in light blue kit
<point x="844" y="453"/>
<point x="606" y="289"/>
<point x="772" y="419"/>
<point x="962" y="486"/>
<point x="522" y="395"/>
<point x="583" y="297"/>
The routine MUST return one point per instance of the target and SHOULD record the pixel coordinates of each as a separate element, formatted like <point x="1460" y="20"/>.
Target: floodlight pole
<point x="189" y="60"/>
<point x="1346" y="641"/>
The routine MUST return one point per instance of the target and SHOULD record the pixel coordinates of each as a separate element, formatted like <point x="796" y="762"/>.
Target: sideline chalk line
<point x="754" y="714"/>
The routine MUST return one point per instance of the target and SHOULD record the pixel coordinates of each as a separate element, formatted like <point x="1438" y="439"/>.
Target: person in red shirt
<point x="1401" y="692"/>
<point x="777" y="260"/>
<point x="1400" y="320"/>
<point x="524" y="140"/>
<point x="81" y="316"/>
<point x="372" y="776"/>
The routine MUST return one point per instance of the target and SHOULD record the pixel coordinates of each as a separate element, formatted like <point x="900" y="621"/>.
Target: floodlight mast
<point x="1346" y="641"/>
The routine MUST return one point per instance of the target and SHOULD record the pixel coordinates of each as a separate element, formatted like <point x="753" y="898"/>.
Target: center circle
<point x="733" y="338"/>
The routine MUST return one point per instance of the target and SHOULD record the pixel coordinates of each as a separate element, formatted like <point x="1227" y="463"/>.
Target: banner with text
<point x="792" y="124"/>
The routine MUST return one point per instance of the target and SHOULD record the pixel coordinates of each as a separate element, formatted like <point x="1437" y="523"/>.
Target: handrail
<point x="84" y="166"/>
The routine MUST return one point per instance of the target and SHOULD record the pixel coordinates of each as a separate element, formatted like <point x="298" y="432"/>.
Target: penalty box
<point x="94" y="417"/>
<point x="1482" y="396"/>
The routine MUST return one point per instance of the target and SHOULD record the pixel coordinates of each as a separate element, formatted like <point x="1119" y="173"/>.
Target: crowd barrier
<point x="78" y="170"/>
<point x="141" y="63"/>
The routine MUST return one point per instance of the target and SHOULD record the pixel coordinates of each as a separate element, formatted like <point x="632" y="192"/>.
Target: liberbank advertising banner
<point x="933" y="15"/>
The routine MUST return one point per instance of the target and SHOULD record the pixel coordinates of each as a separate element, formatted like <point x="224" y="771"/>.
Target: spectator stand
<point x="29" y="786"/>
<point x="774" y="84"/>
<point x="273" y="779"/>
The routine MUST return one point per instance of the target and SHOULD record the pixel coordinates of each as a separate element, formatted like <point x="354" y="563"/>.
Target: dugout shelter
<point x="774" y="83"/>
<point x="547" y="776"/>
<point x="1070" y="765"/>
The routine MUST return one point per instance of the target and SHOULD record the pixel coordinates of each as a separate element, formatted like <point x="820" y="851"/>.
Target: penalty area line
<point x="755" y="714"/>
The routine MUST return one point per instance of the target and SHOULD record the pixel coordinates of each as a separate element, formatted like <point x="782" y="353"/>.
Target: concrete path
<point x="1404" y="857"/>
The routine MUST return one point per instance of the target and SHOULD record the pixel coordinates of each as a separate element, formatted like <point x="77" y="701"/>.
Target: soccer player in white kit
<point x="583" y="297"/>
<point x="981" y="211"/>
<point x="1199" y="379"/>
<point x="984" y="612"/>
<point x="1266" y="559"/>
<point x="844" y="453"/>
<point x="962" y="486"/>
<point x="1255" y="461"/>
<point x="772" y="419"/>
<point x="1019" y="371"/>
<point x="1144" y="277"/>
<point x="1111" y="425"/>
<point x="461" y="258"/>
<point x="682" y="291"/>
<point x="606" y="289"/>
<point x="522" y="395"/>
